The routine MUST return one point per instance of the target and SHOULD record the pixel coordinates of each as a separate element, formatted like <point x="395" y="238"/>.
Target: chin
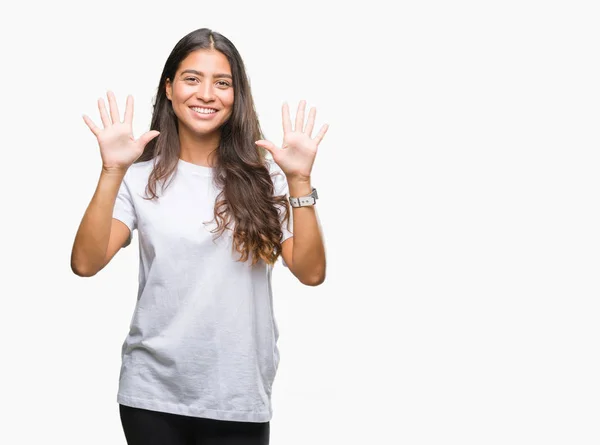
<point x="204" y="130"/>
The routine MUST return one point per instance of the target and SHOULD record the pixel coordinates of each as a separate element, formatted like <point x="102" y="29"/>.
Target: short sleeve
<point x="281" y="188"/>
<point x="124" y="210"/>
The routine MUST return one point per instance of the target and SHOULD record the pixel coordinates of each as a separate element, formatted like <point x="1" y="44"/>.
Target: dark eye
<point x="223" y="83"/>
<point x="190" y="78"/>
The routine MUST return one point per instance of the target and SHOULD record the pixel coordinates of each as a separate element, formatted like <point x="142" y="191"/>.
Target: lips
<point x="203" y="113"/>
<point x="204" y="110"/>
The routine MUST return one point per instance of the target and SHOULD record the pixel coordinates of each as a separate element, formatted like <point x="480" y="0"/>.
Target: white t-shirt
<point x="203" y="336"/>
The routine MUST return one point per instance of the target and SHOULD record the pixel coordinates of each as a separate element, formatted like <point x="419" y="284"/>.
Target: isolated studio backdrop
<point x="457" y="195"/>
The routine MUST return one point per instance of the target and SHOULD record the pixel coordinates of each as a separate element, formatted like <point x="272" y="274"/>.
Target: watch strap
<point x="307" y="200"/>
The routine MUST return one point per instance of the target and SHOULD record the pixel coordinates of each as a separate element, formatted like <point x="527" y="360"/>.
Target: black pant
<point x="145" y="427"/>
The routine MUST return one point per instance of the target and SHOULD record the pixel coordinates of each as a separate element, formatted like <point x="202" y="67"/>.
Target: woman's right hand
<point x="118" y="149"/>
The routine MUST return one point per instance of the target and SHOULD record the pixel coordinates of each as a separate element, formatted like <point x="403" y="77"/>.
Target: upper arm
<point x="286" y="252"/>
<point x="119" y="237"/>
<point x="124" y="220"/>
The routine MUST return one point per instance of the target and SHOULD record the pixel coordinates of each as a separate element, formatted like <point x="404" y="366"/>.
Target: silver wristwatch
<point x="308" y="200"/>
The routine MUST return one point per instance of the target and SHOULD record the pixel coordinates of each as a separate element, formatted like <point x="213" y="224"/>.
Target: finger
<point x="103" y="114"/>
<point x="91" y="125"/>
<point x="129" y="110"/>
<point x="147" y="137"/>
<point x="285" y="118"/>
<point x="311" y="121"/>
<point x="300" y="116"/>
<point x="114" y="110"/>
<point x="268" y="145"/>
<point x="322" y="132"/>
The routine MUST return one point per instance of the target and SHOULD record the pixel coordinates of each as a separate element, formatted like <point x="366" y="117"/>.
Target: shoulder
<point x="139" y="172"/>
<point x="136" y="179"/>
<point x="277" y="176"/>
<point x="141" y="167"/>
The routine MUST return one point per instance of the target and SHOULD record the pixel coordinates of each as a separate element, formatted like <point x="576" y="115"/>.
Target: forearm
<point x="308" y="255"/>
<point x="91" y="240"/>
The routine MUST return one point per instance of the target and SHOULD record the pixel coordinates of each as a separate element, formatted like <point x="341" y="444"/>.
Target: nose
<point x="205" y="91"/>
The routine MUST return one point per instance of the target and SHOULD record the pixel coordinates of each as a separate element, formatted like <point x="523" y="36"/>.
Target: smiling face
<point x="201" y="93"/>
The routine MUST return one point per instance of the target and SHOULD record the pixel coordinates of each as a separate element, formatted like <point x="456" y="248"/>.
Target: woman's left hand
<point x="299" y="149"/>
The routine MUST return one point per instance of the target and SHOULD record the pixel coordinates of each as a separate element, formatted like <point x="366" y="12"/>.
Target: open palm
<point x="118" y="148"/>
<point x="298" y="151"/>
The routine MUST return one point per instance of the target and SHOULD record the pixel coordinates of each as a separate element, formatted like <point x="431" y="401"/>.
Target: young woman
<point x="212" y="214"/>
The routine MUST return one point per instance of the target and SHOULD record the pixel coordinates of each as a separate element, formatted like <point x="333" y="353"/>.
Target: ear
<point x="169" y="89"/>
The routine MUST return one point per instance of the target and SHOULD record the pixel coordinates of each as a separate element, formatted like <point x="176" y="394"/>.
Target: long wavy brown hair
<point x="246" y="203"/>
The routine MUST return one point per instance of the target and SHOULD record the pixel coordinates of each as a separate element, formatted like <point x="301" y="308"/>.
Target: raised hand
<point x="118" y="149"/>
<point x="297" y="154"/>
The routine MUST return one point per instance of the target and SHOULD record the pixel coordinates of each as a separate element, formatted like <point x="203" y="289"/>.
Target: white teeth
<point x="204" y="110"/>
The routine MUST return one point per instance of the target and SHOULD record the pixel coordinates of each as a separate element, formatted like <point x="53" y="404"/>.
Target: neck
<point x="196" y="148"/>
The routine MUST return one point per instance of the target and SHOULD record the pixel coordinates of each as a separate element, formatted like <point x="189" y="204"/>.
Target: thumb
<point x="267" y="145"/>
<point x="147" y="137"/>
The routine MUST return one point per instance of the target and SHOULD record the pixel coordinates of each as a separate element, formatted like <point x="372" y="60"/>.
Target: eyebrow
<point x="200" y="73"/>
